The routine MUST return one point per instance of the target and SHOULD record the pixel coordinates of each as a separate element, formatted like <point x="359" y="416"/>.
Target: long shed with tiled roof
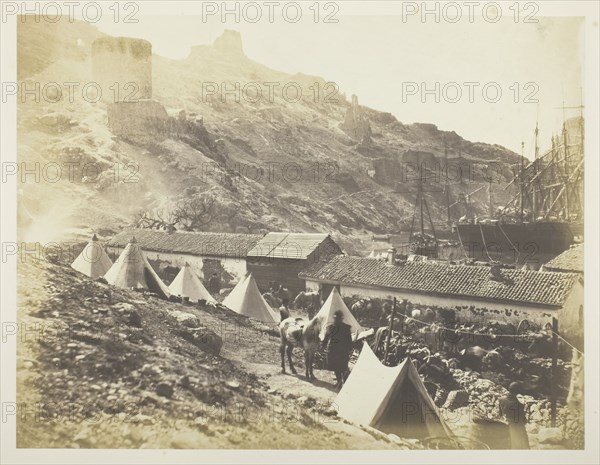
<point x="279" y="257"/>
<point x="476" y="293"/>
<point x="206" y="252"/>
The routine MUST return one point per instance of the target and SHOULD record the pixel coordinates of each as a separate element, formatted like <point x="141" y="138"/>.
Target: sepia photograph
<point x="300" y="232"/>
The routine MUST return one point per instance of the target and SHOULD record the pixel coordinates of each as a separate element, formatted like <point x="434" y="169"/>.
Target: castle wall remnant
<point x="139" y="122"/>
<point x="122" y="66"/>
<point x="356" y="124"/>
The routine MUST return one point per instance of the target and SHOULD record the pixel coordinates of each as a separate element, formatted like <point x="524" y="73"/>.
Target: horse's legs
<point x="307" y="363"/>
<point x="312" y="360"/>
<point x="289" y="350"/>
<point x="281" y="351"/>
<point x="309" y="357"/>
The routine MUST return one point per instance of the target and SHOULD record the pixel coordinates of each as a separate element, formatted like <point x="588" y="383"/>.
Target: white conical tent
<point x="187" y="284"/>
<point x="246" y="299"/>
<point x="93" y="261"/>
<point x="334" y="303"/>
<point x="236" y="293"/>
<point x="132" y="270"/>
<point x="397" y="400"/>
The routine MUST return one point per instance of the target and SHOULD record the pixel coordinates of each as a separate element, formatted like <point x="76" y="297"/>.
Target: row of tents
<point x="132" y="270"/>
<point x="397" y="400"/>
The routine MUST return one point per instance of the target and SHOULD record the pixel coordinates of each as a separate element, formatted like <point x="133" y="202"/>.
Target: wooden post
<point x="389" y="334"/>
<point x="553" y="374"/>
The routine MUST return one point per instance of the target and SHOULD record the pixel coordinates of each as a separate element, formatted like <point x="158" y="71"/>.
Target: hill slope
<point x="113" y="368"/>
<point x="258" y="161"/>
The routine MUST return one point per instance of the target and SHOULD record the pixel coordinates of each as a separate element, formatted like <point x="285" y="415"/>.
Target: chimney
<point x="391" y="256"/>
<point x="495" y="272"/>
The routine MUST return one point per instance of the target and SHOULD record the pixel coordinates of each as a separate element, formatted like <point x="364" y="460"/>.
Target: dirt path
<point x="292" y="410"/>
<point x="260" y="356"/>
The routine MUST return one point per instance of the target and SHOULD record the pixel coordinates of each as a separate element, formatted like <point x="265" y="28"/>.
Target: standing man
<point x="514" y="413"/>
<point x="338" y="338"/>
<point x="214" y="284"/>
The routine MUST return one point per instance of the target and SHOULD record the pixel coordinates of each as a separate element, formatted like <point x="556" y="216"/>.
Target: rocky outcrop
<point x="146" y="123"/>
<point x="229" y="43"/>
<point x="356" y="124"/>
<point x="386" y="170"/>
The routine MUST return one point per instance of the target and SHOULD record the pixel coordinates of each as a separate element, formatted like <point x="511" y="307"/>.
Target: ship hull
<point x="515" y="243"/>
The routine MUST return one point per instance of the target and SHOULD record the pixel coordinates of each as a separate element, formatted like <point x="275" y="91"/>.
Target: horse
<point x="307" y="300"/>
<point x="298" y="332"/>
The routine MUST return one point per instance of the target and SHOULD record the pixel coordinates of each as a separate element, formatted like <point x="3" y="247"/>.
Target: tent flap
<point x="132" y="270"/>
<point x="93" y="261"/>
<point x="246" y="299"/>
<point x="391" y="399"/>
<point x="187" y="284"/>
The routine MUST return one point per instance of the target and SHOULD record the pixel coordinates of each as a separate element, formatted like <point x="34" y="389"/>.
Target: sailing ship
<point x="544" y="217"/>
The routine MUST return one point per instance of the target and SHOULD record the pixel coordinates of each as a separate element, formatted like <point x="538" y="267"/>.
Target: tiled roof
<point x="529" y="287"/>
<point x="287" y="245"/>
<point x="193" y="243"/>
<point x="570" y="260"/>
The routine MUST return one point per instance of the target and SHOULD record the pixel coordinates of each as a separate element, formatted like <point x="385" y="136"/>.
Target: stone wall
<point x="138" y="122"/>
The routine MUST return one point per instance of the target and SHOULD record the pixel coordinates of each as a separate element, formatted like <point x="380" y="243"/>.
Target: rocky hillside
<point x="247" y="162"/>
<point x="111" y="368"/>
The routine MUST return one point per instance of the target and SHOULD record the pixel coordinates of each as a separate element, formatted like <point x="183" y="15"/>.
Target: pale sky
<point x="375" y="56"/>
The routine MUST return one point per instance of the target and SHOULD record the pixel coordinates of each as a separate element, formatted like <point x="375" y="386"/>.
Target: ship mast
<point x="535" y="173"/>
<point x="447" y="186"/>
<point x="553" y="181"/>
<point x="566" y="164"/>
<point x="421" y="204"/>
<point x="521" y="182"/>
<point x="490" y="200"/>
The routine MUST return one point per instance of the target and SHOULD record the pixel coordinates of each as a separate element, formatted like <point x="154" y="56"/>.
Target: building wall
<point x="467" y="310"/>
<point x="235" y="266"/>
<point x="571" y="317"/>
<point x="285" y="271"/>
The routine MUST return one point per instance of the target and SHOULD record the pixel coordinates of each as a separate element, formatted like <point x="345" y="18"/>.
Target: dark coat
<point x="339" y="345"/>
<point x="214" y="284"/>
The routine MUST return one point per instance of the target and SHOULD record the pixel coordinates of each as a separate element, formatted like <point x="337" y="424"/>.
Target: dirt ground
<point x="86" y="389"/>
<point x="105" y="367"/>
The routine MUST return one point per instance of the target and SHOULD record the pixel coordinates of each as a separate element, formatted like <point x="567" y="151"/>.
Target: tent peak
<point x="94" y="238"/>
<point x="133" y="240"/>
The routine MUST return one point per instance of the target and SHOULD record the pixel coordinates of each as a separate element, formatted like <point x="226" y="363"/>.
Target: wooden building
<point x="280" y="257"/>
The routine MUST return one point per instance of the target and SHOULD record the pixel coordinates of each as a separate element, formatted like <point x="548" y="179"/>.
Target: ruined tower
<point x="356" y="124"/>
<point x="122" y="66"/>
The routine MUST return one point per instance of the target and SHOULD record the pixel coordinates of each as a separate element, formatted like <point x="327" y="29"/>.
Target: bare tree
<point x="189" y="214"/>
<point x="195" y="213"/>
